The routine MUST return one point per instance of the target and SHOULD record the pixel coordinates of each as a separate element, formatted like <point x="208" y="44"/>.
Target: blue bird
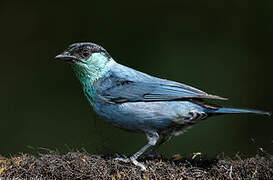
<point x="135" y="101"/>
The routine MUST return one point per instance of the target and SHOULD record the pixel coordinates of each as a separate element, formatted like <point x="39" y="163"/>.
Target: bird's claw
<point x="125" y="160"/>
<point x="133" y="160"/>
<point x="136" y="163"/>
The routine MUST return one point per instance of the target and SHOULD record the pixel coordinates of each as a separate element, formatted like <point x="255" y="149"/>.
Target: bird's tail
<point x="238" y="111"/>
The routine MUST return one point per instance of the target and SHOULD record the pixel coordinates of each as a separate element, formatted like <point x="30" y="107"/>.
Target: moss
<point x="81" y="165"/>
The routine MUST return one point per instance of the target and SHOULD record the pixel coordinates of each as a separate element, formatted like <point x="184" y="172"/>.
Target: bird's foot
<point x="133" y="160"/>
<point x="136" y="163"/>
<point x="125" y="160"/>
<point x="121" y="157"/>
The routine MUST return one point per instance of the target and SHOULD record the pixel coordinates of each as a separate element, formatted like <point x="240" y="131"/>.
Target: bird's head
<point x="88" y="59"/>
<point x="81" y="53"/>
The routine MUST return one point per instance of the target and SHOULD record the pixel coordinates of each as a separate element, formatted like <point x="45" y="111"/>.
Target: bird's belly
<point x="144" y="116"/>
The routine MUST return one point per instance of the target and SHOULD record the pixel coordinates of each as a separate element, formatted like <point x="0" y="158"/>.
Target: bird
<point x="138" y="102"/>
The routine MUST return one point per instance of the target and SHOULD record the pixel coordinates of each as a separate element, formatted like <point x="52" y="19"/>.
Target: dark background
<point x="222" y="47"/>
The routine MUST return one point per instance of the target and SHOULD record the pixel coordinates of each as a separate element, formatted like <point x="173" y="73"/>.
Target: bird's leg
<point x="164" y="139"/>
<point x="152" y="138"/>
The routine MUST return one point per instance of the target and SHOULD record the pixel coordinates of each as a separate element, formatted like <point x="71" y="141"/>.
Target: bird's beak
<point x="66" y="57"/>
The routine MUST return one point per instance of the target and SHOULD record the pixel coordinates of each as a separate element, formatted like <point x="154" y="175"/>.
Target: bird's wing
<point x="130" y="91"/>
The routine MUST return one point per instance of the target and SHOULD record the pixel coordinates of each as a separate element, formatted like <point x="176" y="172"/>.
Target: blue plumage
<point x="138" y="102"/>
<point x="224" y="110"/>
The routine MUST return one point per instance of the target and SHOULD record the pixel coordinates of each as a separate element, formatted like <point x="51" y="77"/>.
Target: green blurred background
<point x="222" y="47"/>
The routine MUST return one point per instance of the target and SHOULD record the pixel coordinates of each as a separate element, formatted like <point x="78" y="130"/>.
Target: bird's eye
<point x="85" y="53"/>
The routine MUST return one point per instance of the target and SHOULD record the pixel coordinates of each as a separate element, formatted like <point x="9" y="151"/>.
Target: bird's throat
<point x="88" y="73"/>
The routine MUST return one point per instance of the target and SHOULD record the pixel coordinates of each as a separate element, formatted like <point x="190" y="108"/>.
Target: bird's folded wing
<point x="152" y="91"/>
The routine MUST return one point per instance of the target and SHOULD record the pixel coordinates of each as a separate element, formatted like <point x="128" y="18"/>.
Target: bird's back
<point x="137" y="115"/>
